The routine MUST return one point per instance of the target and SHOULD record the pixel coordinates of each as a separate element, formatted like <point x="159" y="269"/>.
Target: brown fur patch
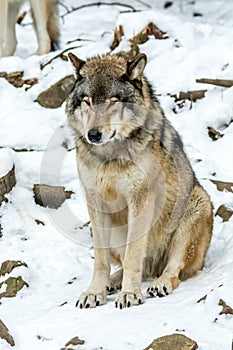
<point x="111" y="65"/>
<point x="175" y="282"/>
<point x="115" y="258"/>
<point x="109" y="193"/>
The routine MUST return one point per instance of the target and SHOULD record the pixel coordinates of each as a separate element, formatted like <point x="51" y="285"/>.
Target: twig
<point x="22" y="150"/>
<point x="99" y="4"/>
<point x="43" y="65"/>
<point x="218" y="82"/>
<point x="79" y="39"/>
<point x="21" y="17"/>
<point x="144" y="3"/>
<point x="63" y="5"/>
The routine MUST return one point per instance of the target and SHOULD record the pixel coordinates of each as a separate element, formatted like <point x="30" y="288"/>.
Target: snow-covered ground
<point x="59" y="253"/>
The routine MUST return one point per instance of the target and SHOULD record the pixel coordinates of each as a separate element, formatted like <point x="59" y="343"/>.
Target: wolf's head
<point x="101" y="107"/>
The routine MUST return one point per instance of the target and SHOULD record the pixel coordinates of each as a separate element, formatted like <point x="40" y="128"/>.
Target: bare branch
<point x="60" y="55"/>
<point x="99" y="4"/>
<point x="63" y="5"/>
<point x="144" y="3"/>
<point x="79" y="39"/>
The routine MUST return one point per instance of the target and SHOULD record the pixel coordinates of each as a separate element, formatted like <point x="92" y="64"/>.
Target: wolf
<point x="150" y="216"/>
<point x="45" y="20"/>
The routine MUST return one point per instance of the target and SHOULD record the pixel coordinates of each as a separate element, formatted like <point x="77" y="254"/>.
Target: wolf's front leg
<point x="3" y="24"/>
<point x="132" y="266"/>
<point x="96" y="294"/>
<point x="139" y="223"/>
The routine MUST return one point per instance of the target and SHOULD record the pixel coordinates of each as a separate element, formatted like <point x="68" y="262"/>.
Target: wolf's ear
<point x="135" y="67"/>
<point x="77" y="63"/>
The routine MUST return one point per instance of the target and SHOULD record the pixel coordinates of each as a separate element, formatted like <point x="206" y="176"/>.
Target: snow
<point x="6" y="163"/>
<point x="59" y="254"/>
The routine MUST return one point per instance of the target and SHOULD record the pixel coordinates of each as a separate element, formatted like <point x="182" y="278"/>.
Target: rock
<point x="214" y="134"/>
<point x="8" y="265"/>
<point x="224" y="213"/>
<point x="223" y="185"/>
<point x="7" y="182"/>
<point x="54" y="96"/>
<point x="4" y="334"/>
<point x="13" y="285"/>
<point x="226" y="309"/>
<point x="73" y="343"/>
<point x="16" y="79"/>
<point x="173" y="342"/>
<point x="50" y="196"/>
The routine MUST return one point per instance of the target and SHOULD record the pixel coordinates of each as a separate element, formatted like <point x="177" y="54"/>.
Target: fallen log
<point x="189" y="95"/>
<point x="218" y="82"/>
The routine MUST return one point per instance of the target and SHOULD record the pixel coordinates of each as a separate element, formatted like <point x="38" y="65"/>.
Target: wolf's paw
<point x="162" y="286"/>
<point x="127" y="299"/>
<point x="115" y="282"/>
<point x="112" y="289"/>
<point x="91" y="299"/>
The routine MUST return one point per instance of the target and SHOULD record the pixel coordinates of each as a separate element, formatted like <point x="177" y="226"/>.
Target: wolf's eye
<point x="86" y="99"/>
<point x="114" y="99"/>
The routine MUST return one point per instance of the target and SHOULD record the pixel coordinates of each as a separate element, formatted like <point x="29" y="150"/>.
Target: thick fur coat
<point x="149" y="214"/>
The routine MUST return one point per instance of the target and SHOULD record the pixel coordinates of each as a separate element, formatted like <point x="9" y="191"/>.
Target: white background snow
<point x="59" y="254"/>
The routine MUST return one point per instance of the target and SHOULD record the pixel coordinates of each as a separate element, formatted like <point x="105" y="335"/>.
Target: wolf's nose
<point x="94" y="136"/>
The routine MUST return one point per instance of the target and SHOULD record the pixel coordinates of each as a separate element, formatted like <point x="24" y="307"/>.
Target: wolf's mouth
<point x="113" y="134"/>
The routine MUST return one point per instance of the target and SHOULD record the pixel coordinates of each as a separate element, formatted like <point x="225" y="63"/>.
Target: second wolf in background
<point x="45" y="20"/>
